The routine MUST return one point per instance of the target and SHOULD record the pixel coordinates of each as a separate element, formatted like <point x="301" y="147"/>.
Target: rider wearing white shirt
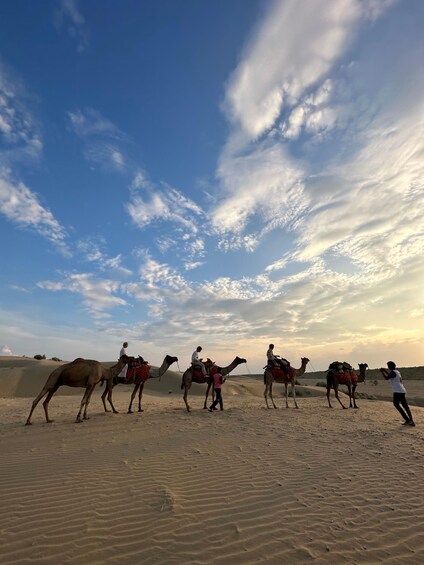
<point x="123" y="373"/>
<point x="196" y="361"/>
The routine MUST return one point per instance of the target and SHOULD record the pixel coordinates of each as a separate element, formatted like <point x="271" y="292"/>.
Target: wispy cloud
<point x="99" y="295"/>
<point x="152" y="203"/>
<point x="281" y="88"/>
<point x="20" y="139"/>
<point x="67" y="16"/>
<point x="93" y="251"/>
<point x="22" y="207"/>
<point x="103" y="140"/>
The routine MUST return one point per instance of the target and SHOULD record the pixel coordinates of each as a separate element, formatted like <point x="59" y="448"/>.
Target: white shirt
<point x="396" y="381"/>
<point x="195" y="357"/>
<point x="270" y="355"/>
<point x="122" y="352"/>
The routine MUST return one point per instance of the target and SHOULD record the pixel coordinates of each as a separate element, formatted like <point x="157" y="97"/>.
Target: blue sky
<point x="230" y="174"/>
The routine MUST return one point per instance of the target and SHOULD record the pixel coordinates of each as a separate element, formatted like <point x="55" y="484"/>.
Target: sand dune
<point x="247" y="485"/>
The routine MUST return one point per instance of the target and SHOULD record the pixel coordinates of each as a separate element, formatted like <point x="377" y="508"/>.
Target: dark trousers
<point x="218" y="400"/>
<point x="399" y="398"/>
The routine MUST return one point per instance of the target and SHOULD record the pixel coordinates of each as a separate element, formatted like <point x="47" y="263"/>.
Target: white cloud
<point x="263" y="182"/>
<point x="93" y="252"/>
<point x="19" y="132"/>
<point x="69" y="17"/>
<point x="103" y="140"/>
<point x="89" y="122"/>
<point x="291" y="50"/>
<point x="6" y="350"/>
<point x="155" y="204"/>
<point x="98" y="295"/>
<point x="22" y="207"/>
<point x="193" y="265"/>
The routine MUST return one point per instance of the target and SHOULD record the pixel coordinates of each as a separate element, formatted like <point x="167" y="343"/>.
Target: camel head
<point x="305" y="361"/>
<point x="240" y="360"/>
<point x="169" y="359"/>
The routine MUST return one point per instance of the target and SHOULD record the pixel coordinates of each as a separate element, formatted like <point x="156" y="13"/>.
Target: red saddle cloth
<point x="281" y="376"/>
<point x="138" y="372"/>
<point x="347" y="377"/>
<point x="198" y="375"/>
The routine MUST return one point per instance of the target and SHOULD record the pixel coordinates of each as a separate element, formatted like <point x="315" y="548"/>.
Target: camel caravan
<point x="87" y="373"/>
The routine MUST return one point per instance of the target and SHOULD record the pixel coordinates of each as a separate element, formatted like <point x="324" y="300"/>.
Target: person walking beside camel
<point x="197" y="362"/>
<point x="399" y="392"/>
<point x="218" y="381"/>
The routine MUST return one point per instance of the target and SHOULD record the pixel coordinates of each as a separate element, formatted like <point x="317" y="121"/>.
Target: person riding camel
<point x="275" y="360"/>
<point x="197" y="362"/>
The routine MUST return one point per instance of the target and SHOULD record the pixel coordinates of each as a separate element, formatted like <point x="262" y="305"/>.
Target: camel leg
<point x="187" y="386"/>
<point x="44" y="391"/>
<point x="104" y="399"/>
<point x="46" y="403"/>
<point x="336" y="392"/>
<point x="83" y="401"/>
<point x="266" y="393"/>
<point x="293" y="384"/>
<point x="270" y="395"/>
<point x="109" y="397"/>
<point x="140" y="394"/>
<point x="328" y="395"/>
<point x="207" y="394"/>
<point x="134" y="392"/>
<point x="349" y="391"/>
<point x="286" y="392"/>
<point x="353" y="396"/>
<point x="87" y="402"/>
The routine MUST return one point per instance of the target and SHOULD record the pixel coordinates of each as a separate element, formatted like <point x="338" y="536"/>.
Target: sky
<point x="176" y="173"/>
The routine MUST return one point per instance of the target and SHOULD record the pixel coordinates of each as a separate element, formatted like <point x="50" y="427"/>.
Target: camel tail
<point x="264" y="377"/>
<point x="182" y="383"/>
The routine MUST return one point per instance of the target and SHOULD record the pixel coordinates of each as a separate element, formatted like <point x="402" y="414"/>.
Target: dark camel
<point x="154" y="372"/>
<point x="285" y="378"/>
<point x="187" y="378"/>
<point x="333" y="382"/>
<point x="80" y="373"/>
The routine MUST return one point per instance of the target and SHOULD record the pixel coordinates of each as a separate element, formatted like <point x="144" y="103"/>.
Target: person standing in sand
<point x="218" y="381"/>
<point x="399" y="392"/>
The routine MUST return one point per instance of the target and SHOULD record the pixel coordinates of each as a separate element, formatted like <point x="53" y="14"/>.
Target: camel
<point x="187" y="378"/>
<point x="283" y="378"/>
<point x="79" y="373"/>
<point x="350" y="379"/>
<point x="151" y="373"/>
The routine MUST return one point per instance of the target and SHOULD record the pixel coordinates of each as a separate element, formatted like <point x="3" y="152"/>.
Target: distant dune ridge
<point x="247" y="485"/>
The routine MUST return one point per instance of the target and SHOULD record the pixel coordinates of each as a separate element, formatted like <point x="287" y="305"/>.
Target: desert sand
<point x="246" y="485"/>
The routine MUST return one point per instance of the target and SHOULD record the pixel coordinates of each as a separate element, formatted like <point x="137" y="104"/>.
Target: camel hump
<point x="338" y="366"/>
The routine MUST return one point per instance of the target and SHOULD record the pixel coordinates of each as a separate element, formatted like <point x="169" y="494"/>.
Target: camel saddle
<point x="281" y="376"/>
<point x="138" y="370"/>
<point x="344" y="372"/>
<point x="198" y="377"/>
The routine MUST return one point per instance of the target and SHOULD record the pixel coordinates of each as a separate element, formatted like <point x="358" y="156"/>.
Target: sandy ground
<point x="247" y="485"/>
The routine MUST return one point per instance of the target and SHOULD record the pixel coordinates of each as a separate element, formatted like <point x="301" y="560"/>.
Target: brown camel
<point x="285" y="378"/>
<point x="151" y="373"/>
<point x="345" y="376"/>
<point x="80" y="373"/>
<point x="187" y="378"/>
